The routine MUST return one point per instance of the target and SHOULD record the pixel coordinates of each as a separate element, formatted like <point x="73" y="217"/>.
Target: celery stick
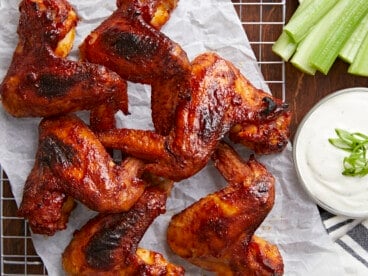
<point x="300" y="23"/>
<point x="360" y="64"/>
<point x="352" y="45"/>
<point x="349" y="13"/>
<point x="301" y="57"/>
<point x="305" y="1"/>
<point x="284" y="46"/>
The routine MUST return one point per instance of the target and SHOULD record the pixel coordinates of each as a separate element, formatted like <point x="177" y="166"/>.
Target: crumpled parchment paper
<point x="198" y="25"/>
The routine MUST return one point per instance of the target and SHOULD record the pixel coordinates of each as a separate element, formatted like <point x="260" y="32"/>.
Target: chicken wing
<point x="108" y="244"/>
<point x="217" y="232"/>
<point x="129" y="42"/>
<point x="71" y="162"/>
<point x="154" y="12"/>
<point x="222" y="99"/>
<point x="40" y="80"/>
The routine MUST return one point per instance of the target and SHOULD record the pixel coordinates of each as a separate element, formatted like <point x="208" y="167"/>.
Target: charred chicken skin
<point x="40" y="81"/>
<point x="129" y="42"/>
<point x="108" y="244"/>
<point x="71" y="162"/>
<point x="217" y="232"/>
<point x="222" y="100"/>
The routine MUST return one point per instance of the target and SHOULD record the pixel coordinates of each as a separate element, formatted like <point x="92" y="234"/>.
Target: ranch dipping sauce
<point x="319" y="164"/>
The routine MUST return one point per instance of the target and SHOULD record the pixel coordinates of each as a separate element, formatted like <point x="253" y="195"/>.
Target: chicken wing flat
<point x="222" y="99"/>
<point x="71" y="162"/>
<point x="108" y="244"/>
<point x="129" y="42"/>
<point x="40" y="80"/>
<point x="217" y="232"/>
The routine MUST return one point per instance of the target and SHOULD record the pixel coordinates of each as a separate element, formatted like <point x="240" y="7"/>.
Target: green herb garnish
<point x="356" y="164"/>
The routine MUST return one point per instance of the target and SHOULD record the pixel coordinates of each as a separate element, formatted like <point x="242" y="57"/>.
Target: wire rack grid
<point x="262" y="21"/>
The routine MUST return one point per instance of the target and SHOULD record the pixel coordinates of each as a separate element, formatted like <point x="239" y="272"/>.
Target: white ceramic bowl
<point x="319" y="165"/>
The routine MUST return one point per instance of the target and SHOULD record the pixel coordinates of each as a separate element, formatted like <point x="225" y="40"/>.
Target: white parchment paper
<point x="198" y="25"/>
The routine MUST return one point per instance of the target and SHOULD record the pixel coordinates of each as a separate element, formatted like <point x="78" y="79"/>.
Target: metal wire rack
<point x="262" y="21"/>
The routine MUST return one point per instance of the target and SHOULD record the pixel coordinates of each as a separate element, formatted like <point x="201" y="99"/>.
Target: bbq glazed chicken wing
<point x="41" y="81"/>
<point x="72" y="163"/>
<point x="129" y="42"/>
<point x="108" y="244"/>
<point x="222" y="100"/>
<point x="217" y="232"/>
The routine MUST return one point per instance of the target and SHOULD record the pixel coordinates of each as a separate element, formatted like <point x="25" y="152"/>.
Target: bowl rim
<point x="318" y="201"/>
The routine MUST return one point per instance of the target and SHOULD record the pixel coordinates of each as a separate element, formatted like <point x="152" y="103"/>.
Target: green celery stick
<point x="315" y="36"/>
<point x="305" y="1"/>
<point x="300" y="23"/>
<point x="352" y="45"/>
<point x="343" y="18"/>
<point x="301" y="56"/>
<point x="360" y="64"/>
<point x="284" y="46"/>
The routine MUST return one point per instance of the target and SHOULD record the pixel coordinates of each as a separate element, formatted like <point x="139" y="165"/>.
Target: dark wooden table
<point x="302" y="92"/>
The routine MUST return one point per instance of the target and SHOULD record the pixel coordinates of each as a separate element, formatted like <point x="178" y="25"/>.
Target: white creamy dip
<point x="319" y="164"/>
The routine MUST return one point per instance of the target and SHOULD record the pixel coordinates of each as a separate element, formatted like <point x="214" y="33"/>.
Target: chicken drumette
<point x="217" y="232"/>
<point x="130" y="43"/>
<point x="72" y="163"/>
<point x="41" y="81"/>
<point x="222" y="100"/>
<point x="108" y="244"/>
